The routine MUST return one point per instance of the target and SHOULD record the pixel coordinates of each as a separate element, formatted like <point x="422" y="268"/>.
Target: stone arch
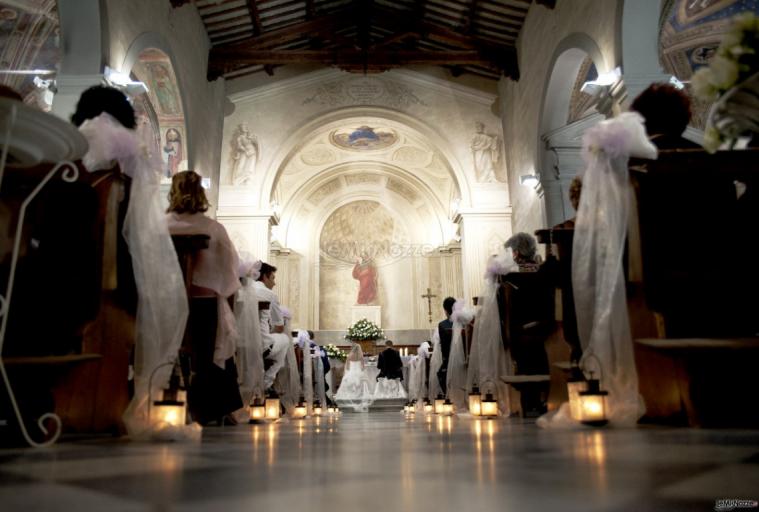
<point x="558" y="155"/>
<point x="296" y="140"/>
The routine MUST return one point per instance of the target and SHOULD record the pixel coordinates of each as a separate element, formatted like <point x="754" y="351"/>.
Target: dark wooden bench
<point x="696" y="223"/>
<point x="71" y="322"/>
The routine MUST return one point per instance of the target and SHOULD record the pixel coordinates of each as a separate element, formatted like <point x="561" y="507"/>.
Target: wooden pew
<point x="71" y="323"/>
<point x="701" y="278"/>
<point x="526" y="307"/>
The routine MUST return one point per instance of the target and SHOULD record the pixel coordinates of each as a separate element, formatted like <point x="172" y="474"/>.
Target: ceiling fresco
<point x="690" y="34"/>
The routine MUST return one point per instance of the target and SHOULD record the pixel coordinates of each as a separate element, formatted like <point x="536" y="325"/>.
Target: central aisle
<point x="384" y="462"/>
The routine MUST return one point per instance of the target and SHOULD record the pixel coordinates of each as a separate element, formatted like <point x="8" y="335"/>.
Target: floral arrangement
<point x="334" y="352"/>
<point x="364" y="330"/>
<point x="736" y="60"/>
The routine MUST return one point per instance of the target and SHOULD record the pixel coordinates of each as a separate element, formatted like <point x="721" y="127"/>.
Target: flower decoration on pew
<point x="732" y="79"/>
<point x="364" y="330"/>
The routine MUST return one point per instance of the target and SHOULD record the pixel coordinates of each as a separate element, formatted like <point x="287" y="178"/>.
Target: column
<point x="483" y="230"/>
<point x="83" y="53"/>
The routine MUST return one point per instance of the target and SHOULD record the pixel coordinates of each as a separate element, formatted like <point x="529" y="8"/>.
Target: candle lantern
<point x="257" y="411"/>
<point x="272" y="406"/>
<point x="447" y="407"/>
<point x="489" y="406"/>
<point x="475" y="401"/>
<point x="439" y="401"/>
<point x="301" y="409"/>
<point x="575" y="384"/>
<point x="428" y="408"/>
<point x="317" y="408"/>
<point x="593" y="404"/>
<point x="412" y="407"/>
<point x="172" y="409"/>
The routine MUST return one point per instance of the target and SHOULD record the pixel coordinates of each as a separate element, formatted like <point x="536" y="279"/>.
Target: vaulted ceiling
<point x="365" y="36"/>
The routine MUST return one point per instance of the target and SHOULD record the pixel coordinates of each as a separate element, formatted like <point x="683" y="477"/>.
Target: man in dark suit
<point x="445" y="332"/>
<point x="389" y="363"/>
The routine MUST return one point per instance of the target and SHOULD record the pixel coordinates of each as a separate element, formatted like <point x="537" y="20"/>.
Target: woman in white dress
<point x="355" y="389"/>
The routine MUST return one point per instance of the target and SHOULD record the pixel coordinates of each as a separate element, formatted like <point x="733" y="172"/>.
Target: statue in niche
<point x="244" y="155"/>
<point x="366" y="274"/>
<point x="486" y="153"/>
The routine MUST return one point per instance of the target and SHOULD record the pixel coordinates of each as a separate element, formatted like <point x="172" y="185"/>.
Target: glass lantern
<point x="575" y="384"/>
<point x="439" y="401"/>
<point x="489" y="406"/>
<point x="317" y="408"/>
<point x="257" y="411"/>
<point x="301" y="410"/>
<point x="447" y="407"/>
<point x="272" y="407"/>
<point x="593" y="404"/>
<point x="475" y="401"/>
<point x="172" y="408"/>
<point x="171" y="412"/>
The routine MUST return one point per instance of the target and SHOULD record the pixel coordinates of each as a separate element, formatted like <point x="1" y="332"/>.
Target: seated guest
<point x="389" y="364"/>
<point x="214" y="392"/>
<point x="524" y="248"/>
<point x="666" y="110"/>
<point x="287" y="380"/>
<point x="272" y="322"/>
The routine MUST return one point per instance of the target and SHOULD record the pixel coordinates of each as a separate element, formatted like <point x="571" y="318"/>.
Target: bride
<point x="355" y="389"/>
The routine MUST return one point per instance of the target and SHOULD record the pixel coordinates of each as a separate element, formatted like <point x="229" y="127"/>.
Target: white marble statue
<point x="486" y="152"/>
<point x="244" y="155"/>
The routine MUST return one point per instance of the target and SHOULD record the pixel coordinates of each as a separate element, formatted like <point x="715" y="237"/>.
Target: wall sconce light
<point x="124" y="82"/>
<point x="602" y="83"/>
<point x="529" y="180"/>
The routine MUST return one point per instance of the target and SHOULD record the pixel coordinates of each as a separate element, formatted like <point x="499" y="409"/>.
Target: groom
<point x="389" y="363"/>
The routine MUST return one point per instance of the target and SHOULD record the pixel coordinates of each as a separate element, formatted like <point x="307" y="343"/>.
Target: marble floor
<point x="382" y="461"/>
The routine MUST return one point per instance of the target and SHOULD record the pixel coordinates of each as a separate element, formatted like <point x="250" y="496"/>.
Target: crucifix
<point x="429" y="298"/>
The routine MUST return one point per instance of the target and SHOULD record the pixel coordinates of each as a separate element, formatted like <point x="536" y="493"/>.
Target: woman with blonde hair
<point x="214" y="392"/>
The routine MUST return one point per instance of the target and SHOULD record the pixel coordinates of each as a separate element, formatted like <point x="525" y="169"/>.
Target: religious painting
<point x="162" y="83"/>
<point x="363" y="138"/>
<point x="363" y="261"/>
